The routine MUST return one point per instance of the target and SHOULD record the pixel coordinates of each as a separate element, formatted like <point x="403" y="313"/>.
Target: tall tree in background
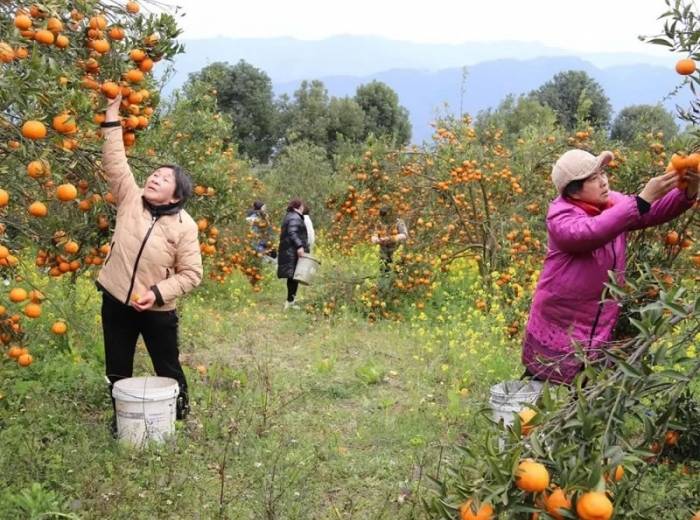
<point x="567" y="93"/>
<point x="638" y="120"/>
<point x="306" y="116"/>
<point x="245" y="93"/>
<point x="383" y="114"/>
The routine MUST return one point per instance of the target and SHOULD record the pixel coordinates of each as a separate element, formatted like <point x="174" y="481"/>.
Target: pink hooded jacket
<point x="567" y="305"/>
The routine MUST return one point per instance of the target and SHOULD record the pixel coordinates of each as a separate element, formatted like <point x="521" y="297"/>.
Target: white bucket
<point x="145" y="408"/>
<point x="510" y="397"/>
<point x="306" y="268"/>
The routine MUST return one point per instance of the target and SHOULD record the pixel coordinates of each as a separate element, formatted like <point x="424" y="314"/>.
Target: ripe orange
<point x="132" y="7"/>
<point x="485" y="512"/>
<point x="32" y="310"/>
<point x="7" y="54"/>
<point x="44" y="36"/>
<point x="36" y="296"/>
<point x="594" y="505"/>
<point x="137" y="55"/>
<point x="17" y="294"/>
<point x="23" y="22"/>
<point x="4" y="253"/>
<point x="14" y="352"/>
<point x="34" y="129"/>
<point x="62" y="41"/>
<point x="146" y="65"/>
<point x="36" y="169"/>
<point x="685" y="66"/>
<point x="71" y="247"/>
<point x="59" y="328"/>
<point x="98" y="22"/>
<point x="66" y="192"/>
<point x="4" y="198"/>
<point x="116" y="33"/>
<point x="101" y="46"/>
<point x="129" y="138"/>
<point x="672" y="238"/>
<point x="555" y="502"/>
<point x="25" y="360"/>
<point x="38" y="209"/>
<point x="134" y="76"/>
<point x="671" y="438"/>
<point x="696" y="516"/>
<point x="135" y="98"/>
<point x="531" y="476"/>
<point x="64" y="123"/>
<point x="54" y="25"/>
<point x="619" y="473"/>
<point x="110" y="89"/>
<point x="526" y="415"/>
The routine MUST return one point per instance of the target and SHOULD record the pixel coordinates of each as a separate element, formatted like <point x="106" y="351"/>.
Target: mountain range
<point x="430" y="78"/>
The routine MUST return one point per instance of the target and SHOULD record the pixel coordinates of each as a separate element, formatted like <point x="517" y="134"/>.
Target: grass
<point x="296" y="417"/>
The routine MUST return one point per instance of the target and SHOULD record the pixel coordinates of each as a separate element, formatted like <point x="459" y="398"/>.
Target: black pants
<point x="122" y="324"/>
<point x="292" y="286"/>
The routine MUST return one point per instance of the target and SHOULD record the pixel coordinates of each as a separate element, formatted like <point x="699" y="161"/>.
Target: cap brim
<point x="601" y="160"/>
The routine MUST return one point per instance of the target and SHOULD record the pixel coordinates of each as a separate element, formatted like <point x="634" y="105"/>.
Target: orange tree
<point x="59" y="60"/>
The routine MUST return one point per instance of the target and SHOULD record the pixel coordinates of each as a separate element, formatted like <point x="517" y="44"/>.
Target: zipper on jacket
<point x="138" y="258"/>
<point x="600" y="305"/>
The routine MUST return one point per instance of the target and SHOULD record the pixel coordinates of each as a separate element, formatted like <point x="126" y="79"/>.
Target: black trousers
<point x="292" y="286"/>
<point x="122" y="324"/>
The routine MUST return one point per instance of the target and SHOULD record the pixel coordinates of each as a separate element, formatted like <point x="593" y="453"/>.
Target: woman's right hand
<point x="659" y="186"/>
<point x="112" y="111"/>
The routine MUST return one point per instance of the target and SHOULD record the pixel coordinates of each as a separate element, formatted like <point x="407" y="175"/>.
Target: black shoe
<point x="182" y="407"/>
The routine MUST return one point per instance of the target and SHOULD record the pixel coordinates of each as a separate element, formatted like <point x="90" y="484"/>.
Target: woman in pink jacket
<point x="587" y="227"/>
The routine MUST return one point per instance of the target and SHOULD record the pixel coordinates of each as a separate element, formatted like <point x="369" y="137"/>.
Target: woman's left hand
<point x="693" y="179"/>
<point x="145" y="302"/>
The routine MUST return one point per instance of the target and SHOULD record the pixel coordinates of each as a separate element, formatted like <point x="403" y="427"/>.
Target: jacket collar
<point x="162" y="209"/>
<point x="590" y="209"/>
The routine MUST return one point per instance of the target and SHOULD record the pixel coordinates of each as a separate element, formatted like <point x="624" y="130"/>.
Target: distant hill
<point x="426" y="76"/>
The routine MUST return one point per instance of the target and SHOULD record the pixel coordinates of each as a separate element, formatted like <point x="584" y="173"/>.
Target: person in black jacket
<point x="294" y="244"/>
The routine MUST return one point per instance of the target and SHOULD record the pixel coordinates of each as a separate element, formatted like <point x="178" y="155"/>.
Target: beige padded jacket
<point x="145" y="251"/>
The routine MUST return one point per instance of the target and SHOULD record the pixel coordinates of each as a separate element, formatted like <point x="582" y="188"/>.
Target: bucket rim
<point x="137" y="389"/>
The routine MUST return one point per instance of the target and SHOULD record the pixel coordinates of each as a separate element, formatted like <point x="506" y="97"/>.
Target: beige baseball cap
<point x="577" y="164"/>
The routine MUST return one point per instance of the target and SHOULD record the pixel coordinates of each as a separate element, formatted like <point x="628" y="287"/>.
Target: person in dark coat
<point x="294" y="244"/>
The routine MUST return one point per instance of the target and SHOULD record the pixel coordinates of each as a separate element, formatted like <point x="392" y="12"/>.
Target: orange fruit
<point x="685" y="66"/>
<point x="101" y="46"/>
<point x="696" y="516"/>
<point x="526" y="415"/>
<point x="23" y="22"/>
<point x="129" y="138"/>
<point x="531" y="476"/>
<point x="132" y="7"/>
<point x="36" y="169"/>
<point x="146" y="65"/>
<point x="485" y="512"/>
<point x="44" y="36"/>
<point x="555" y="502"/>
<point x="17" y="294"/>
<point x="54" y="25"/>
<point x="25" y="360"/>
<point x="671" y="437"/>
<point x="62" y="41"/>
<point x="4" y="198"/>
<point x="110" y="90"/>
<point x="71" y="247"/>
<point x="4" y="253"/>
<point x="97" y="22"/>
<point x="34" y="129"/>
<point x="135" y="98"/>
<point x="116" y="33"/>
<point x="64" y="123"/>
<point x="66" y="192"/>
<point x="7" y="54"/>
<point x="619" y="473"/>
<point x="594" y="505"/>
<point x="36" y="296"/>
<point x="14" y="352"/>
<point x="38" y="209"/>
<point x="672" y="238"/>
<point x="137" y="55"/>
<point x="59" y="328"/>
<point x="32" y="310"/>
<point x="134" y="76"/>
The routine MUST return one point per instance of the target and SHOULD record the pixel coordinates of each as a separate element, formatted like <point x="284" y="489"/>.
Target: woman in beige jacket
<point x="154" y="258"/>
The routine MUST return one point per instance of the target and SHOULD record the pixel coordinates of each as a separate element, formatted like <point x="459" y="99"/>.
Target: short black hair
<point x="295" y="204"/>
<point x="258" y="204"/>
<point x="573" y="187"/>
<point x="183" y="182"/>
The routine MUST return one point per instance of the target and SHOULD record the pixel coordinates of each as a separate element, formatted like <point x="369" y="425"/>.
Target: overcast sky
<point x="588" y="25"/>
